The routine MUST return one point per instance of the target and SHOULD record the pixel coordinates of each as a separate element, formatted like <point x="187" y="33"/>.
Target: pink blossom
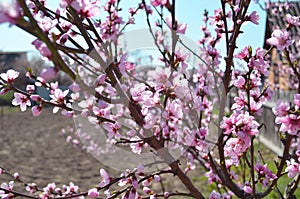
<point x="239" y="82"/>
<point x="281" y="108"/>
<point x="173" y="111"/>
<point x="10" y="75"/>
<point x="8" y="187"/>
<point x="125" y="65"/>
<point x="68" y="138"/>
<point x="147" y="190"/>
<point x="235" y="147"/>
<point x="49" y="188"/>
<point x="212" y="177"/>
<point x="159" y="2"/>
<point x="64" y="3"/>
<point x="86" y="8"/>
<point x="93" y="193"/>
<point x="293" y="168"/>
<point x="239" y="102"/>
<point x="180" y="28"/>
<point x="106" y="179"/>
<point x="264" y="174"/>
<point x="75" y="96"/>
<point x="71" y="189"/>
<point x="254" y="17"/>
<point x="47" y="23"/>
<point x="101" y="112"/>
<point x="139" y="93"/>
<point x="247" y="188"/>
<point x="292" y="20"/>
<point x="289" y="123"/>
<point x="31" y="188"/>
<point x="151" y="100"/>
<point x="260" y="64"/>
<point x="280" y="39"/>
<point x="49" y="73"/>
<point x="87" y="105"/>
<point x="136" y="146"/>
<point x="217" y="18"/>
<point x="297" y="99"/>
<point x="228" y="123"/>
<point x="243" y="54"/>
<point x="112" y="129"/>
<point x="181" y="58"/>
<point x="241" y="124"/>
<point x="161" y="77"/>
<point x="133" y="194"/>
<point x="53" y="86"/>
<point x="181" y="88"/>
<point x="40" y="82"/>
<point x="63" y="38"/>
<point x="21" y="100"/>
<point x="255" y="106"/>
<point x="59" y="96"/>
<point x="214" y="54"/>
<point x="9" y="12"/>
<point x="214" y="195"/>
<point x="65" y="25"/>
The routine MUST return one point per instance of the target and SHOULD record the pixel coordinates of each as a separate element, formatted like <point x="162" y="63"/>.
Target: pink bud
<point x="10" y="75"/>
<point x="16" y="175"/>
<point x="166" y="194"/>
<point x="75" y="141"/>
<point x="4" y="90"/>
<point x="247" y="189"/>
<point x="156" y="178"/>
<point x="36" y="110"/>
<point x="68" y="139"/>
<point x="30" y="88"/>
<point x="146" y="190"/>
<point x="93" y="193"/>
<point x="36" y="98"/>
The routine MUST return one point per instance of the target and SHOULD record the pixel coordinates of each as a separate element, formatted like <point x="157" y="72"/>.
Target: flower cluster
<point x="173" y="110"/>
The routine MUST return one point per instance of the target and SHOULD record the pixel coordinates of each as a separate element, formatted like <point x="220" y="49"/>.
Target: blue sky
<point x="14" y="39"/>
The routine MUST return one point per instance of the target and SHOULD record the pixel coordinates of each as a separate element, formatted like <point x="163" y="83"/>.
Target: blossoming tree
<point x="175" y="110"/>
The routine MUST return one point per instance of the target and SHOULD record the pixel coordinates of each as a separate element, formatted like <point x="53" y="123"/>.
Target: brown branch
<point x="279" y="168"/>
<point x="56" y="58"/>
<point x="16" y="193"/>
